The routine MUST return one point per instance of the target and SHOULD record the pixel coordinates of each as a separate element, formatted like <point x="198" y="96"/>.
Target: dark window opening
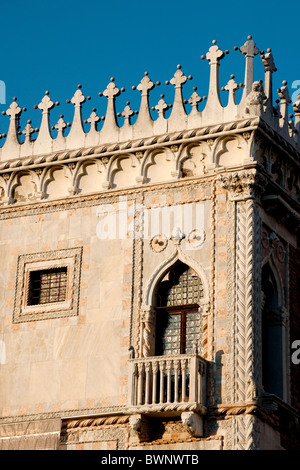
<point x="47" y="286"/>
<point x="272" y="347"/>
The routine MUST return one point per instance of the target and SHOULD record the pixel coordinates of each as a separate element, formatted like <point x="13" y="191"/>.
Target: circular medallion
<point x="158" y="243"/>
<point x="196" y="238"/>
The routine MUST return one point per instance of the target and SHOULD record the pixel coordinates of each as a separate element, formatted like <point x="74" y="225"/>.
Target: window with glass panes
<point x="178" y="321"/>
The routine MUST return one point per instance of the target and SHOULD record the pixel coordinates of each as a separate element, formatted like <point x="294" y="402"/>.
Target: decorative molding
<point x="247" y="268"/>
<point x="242" y="184"/>
<point x="60" y="258"/>
<point x="246" y="432"/>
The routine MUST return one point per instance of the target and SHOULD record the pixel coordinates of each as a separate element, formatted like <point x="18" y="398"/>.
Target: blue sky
<point x="56" y="45"/>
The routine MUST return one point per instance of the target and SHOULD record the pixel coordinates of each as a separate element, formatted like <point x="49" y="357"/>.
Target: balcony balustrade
<point x="167" y="384"/>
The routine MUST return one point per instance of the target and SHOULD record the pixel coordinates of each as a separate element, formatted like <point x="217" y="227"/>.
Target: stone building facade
<point x="150" y="272"/>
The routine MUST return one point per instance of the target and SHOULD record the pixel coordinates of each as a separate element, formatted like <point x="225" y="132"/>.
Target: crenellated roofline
<point x="256" y="102"/>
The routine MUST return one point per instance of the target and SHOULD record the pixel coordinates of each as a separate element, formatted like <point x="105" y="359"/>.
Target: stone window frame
<point x="70" y="258"/>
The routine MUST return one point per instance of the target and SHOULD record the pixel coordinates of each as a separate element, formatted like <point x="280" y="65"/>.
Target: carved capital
<point x="242" y="185"/>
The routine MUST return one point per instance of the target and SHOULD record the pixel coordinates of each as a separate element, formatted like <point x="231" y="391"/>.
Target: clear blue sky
<point x="55" y="45"/>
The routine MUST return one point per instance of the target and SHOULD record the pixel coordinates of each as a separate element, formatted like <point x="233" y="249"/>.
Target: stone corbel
<point x="139" y="428"/>
<point x="193" y="423"/>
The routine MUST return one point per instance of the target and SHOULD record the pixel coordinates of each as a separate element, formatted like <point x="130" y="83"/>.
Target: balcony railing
<point x="167" y="383"/>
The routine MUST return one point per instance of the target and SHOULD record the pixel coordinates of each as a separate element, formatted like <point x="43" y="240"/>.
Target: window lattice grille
<point x="47" y="286"/>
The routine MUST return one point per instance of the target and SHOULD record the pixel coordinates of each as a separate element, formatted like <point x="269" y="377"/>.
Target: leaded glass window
<point x="178" y="317"/>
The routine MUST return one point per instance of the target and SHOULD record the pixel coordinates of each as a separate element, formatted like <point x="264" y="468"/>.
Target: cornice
<point x="131" y="146"/>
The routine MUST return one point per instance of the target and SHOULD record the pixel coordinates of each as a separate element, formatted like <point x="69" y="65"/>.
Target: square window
<point x="47" y="285"/>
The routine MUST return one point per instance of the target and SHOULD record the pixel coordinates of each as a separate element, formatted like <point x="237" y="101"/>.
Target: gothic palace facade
<point x="150" y="271"/>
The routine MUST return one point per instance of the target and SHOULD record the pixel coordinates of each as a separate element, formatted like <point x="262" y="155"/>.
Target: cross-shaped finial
<point x="78" y="98"/>
<point x="28" y="131"/>
<point x="46" y="104"/>
<point x="14" y="110"/>
<point x="146" y="85"/>
<point x="214" y="55"/>
<point x="179" y="78"/>
<point x="93" y="119"/>
<point x="111" y="91"/>
<point x="195" y="99"/>
<point x="249" y="49"/>
<point x="161" y="106"/>
<point x="127" y="113"/>
<point x="231" y="87"/>
<point x="61" y="125"/>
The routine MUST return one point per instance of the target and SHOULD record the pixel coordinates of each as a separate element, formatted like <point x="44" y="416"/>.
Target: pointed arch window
<point x="178" y="320"/>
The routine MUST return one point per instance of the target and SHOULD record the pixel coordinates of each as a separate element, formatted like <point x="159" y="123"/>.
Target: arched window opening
<point x="178" y="320"/>
<point x="272" y="335"/>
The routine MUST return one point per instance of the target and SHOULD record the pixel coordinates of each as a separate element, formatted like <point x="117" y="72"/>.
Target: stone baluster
<point x="176" y="379"/>
<point x="169" y="380"/>
<point x="184" y="384"/>
<point x="154" y="381"/>
<point x="161" y="385"/>
<point x="140" y="384"/>
<point x="147" y="382"/>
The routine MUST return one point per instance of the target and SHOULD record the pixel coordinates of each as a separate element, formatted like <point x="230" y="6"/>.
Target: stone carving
<point x="158" y="243"/>
<point x="256" y="99"/>
<point x="193" y="423"/>
<point x="247" y="299"/>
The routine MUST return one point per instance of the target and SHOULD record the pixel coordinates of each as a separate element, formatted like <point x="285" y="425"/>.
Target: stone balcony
<point x="167" y="385"/>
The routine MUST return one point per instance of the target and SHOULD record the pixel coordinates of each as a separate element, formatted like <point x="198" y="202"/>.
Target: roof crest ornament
<point x="44" y="140"/>
<point x="144" y="123"/>
<point x="270" y="68"/>
<point x="285" y="99"/>
<point x="77" y="135"/>
<point x="178" y="114"/>
<point x="257" y="100"/>
<point x="14" y="111"/>
<point x="249" y="50"/>
<point x="110" y="129"/>
<point x="214" y="55"/>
